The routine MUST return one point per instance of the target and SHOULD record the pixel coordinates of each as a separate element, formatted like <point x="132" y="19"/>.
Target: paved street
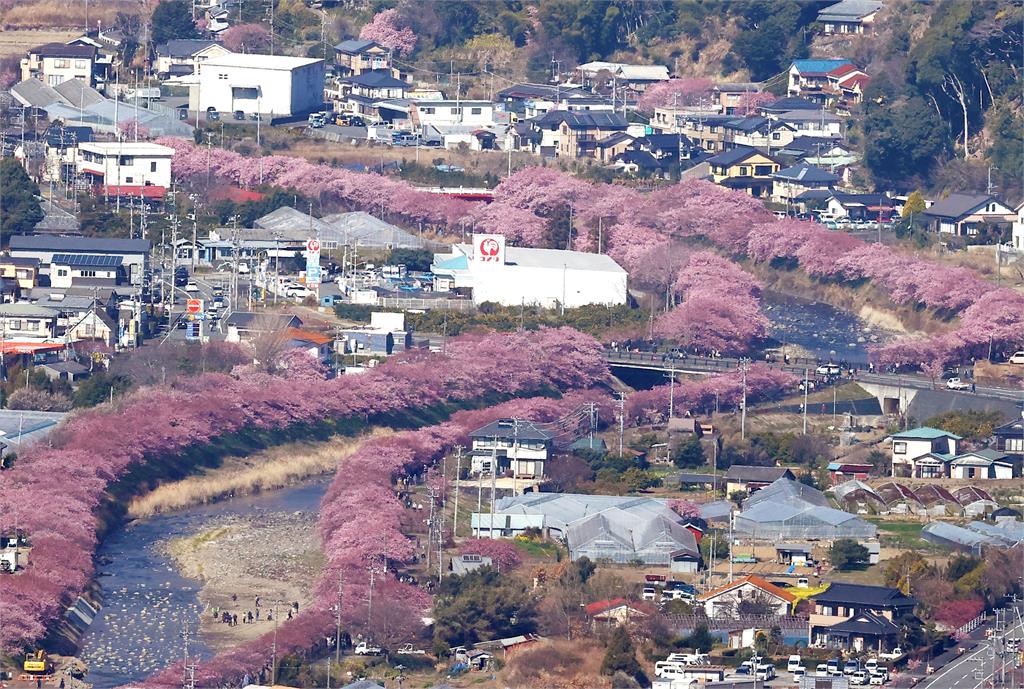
<point x="977" y="668"/>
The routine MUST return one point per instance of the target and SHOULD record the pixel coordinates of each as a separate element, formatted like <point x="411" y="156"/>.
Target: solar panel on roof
<point x="89" y="260"/>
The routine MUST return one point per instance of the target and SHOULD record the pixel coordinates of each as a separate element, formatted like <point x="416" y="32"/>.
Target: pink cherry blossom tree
<point x="247" y="38"/>
<point x="388" y="29"/>
<point x="675" y="92"/>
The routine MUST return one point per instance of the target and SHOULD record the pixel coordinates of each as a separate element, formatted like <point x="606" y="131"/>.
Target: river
<point x="146" y="603"/>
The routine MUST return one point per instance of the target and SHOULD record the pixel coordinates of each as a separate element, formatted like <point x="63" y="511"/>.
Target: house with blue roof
<point x="810" y="76"/>
<point x="923" y="452"/>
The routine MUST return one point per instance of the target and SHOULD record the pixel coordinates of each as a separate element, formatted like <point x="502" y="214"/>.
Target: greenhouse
<point x="789" y="510"/>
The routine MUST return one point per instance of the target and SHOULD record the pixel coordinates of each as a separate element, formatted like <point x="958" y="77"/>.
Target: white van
<point x="765" y="672"/>
<point x="793" y="664"/>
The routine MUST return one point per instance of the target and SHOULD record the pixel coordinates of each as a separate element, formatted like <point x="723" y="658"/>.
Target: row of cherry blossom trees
<point x="647" y="232"/>
<point x="361" y="531"/>
<point x="53" y="492"/>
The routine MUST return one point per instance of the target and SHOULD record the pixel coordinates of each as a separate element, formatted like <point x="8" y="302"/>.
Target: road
<point x="695" y="364"/>
<point x="975" y="669"/>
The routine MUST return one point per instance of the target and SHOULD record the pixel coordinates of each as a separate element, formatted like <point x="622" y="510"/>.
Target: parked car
<point x="793" y="664"/>
<point x="833" y="667"/>
<point x="858" y="678"/>
<point x="298" y="292"/>
<point x="852" y="666"/>
<point x="1016" y="358"/>
<point x="871" y="664"/>
<point x="649" y="593"/>
<point x="408" y="650"/>
<point x="821" y="670"/>
<point x="212" y="115"/>
<point x="799" y="673"/>
<point x="765" y="672"/>
<point x="878" y="679"/>
<point x="191" y="287"/>
<point x="240" y="115"/>
<point x="957" y="383"/>
<point x="828" y="370"/>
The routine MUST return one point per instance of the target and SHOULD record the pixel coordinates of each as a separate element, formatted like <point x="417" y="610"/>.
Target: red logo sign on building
<point x="490" y="248"/>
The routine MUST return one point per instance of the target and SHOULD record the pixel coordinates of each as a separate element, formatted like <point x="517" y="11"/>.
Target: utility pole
<point x="672" y="390"/>
<point x="337" y="633"/>
<point x="622" y="419"/>
<point x="744" y="367"/>
<point x="458" y="473"/>
<point x="990" y="188"/>
<point x="494" y="481"/>
<point x="806" y="385"/>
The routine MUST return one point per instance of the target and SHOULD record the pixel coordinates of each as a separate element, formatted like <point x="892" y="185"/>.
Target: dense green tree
<point x="1007" y="128"/>
<point x="412" y="259"/>
<point x="479" y="606"/>
<point x="973" y="425"/>
<point x="915" y="203"/>
<point x="903" y="141"/>
<point x="621" y="656"/>
<point x="846" y="554"/>
<point x="19" y="205"/>
<point x="701" y="639"/>
<point x="589" y="29"/>
<point x="173" y="19"/>
<point x="97" y="389"/>
<point x="772" y="35"/>
<point x="690" y="454"/>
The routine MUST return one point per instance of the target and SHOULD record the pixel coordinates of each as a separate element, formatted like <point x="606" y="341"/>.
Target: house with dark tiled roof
<point x="746" y="169"/>
<point x="749" y="478"/>
<point x="356" y="56"/>
<point x="55" y="63"/>
<point x="788" y="184"/>
<point x="964" y="214"/>
<point x="181" y="56"/>
<point x="858" y="617"/>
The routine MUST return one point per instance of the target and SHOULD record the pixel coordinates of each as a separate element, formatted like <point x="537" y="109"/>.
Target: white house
<point x="849" y="16"/>
<point x="67" y="270"/>
<point x="134" y="253"/>
<point x="923" y="452"/>
<point x="55" y="63"/>
<point x="271" y="85"/>
<point x="817" y="123"/>
<point x="472" y="113"/>
<point x="810" y="76"/>
<point x="126" y="163"/>
<point x="753" y="592"/>
<point x="983" y="464"/>
<point x="963" y="214"/>
<point x="513" y="276"/>
<point x="516" y="445"/>
<point x="1018" y="227"/>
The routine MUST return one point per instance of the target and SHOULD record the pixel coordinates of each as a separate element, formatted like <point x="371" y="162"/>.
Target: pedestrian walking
<point x="234" y="620"/>
<point x="973" y="387"/>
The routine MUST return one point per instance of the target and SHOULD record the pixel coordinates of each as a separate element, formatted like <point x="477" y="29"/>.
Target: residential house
<point x="68" y="270"/>
<point x="181" y="56"/>
<point x="361" y="92"/>
<point x="746" y="169"/>
<point x="245" y="326"/>
<point x="858" y="617"/>
<point x="316" y="345"/>
<point x="1018" y="227"/>
<point x="618" y="611"/>
<point x="109" y="45"/>
<point x="816" y="123"/>
<point x="757" y="132"/>
<point x="61" y="151"/>
<point x="811" y="76"/>
<point x="218" y="18"/>
<point x="749" y="595"/>
<point x="788" y="104"/>
<point x="355" y="56"/>
<point x="730" y="96"/>
<point x="28" y="322"/>
<point x="95" y="324"/>
<point x="706" y="131"/>
<point x="134" y="252"/>
<point x="68" y="371"/>
<point x="748" y="478"/>
<point x="632" y="78"/>
<point x="608" y="148"/>
<point x="658" y="155"/>
<point x="579" y="131"/>
<point x="22" y="270"/>
<point x="846" y="85"/>
<point x="923" y="452"/>
<point x="1010" y="438"/>
<point x="965" y="214"/>
<point x="984" y="464"/>
<point x="849" y="16"/>
<point x="791" y="182"/>
<point x="517" y="445"/>
<point x="860" y="206"/>
<point x="816" y="150"/>
<point x="55" y="63"/>
<point x="537" y="98"/>
<point x="126" y="168"/>
<point x="385" y="335"/>
<point x="800" y="554"/>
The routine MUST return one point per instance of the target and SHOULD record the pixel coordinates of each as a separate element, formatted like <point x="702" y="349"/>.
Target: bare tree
<point x="269" y="342"/>
<point x="955" y="89"/>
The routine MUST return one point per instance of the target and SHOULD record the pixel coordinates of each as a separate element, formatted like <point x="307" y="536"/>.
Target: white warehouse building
<point x="513" y="276"/>
<point x="272" y="85"/>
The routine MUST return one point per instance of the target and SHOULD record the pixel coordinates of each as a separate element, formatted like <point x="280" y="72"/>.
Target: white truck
<point x="365" y="649"/>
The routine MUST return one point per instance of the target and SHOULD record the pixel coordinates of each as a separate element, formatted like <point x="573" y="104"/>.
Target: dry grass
<point x="62" y="14"/>
<point x="273" y="468"/>
<point x="557" y="664"/>
<point x="17" y="42"/>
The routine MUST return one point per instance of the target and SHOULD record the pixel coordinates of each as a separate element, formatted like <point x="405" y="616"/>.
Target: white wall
<point x="447" y="112"/>
<point x="271" y="92"/>
<point x="139" y="166"/>
<point x="512" y="285"/>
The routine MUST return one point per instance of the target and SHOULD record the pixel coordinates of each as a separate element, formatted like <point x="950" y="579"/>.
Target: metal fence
<point x="461" y="305"/>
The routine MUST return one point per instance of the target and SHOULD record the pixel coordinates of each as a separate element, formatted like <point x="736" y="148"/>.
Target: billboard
<point x="313" y="264"/>
<point x="489" y="248"/>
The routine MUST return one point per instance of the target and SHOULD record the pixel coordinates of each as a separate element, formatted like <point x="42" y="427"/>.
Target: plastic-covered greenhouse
<point x="771" y="520"/>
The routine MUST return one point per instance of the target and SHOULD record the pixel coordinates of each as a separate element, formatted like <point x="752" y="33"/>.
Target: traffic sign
<point x="194" y="306"/>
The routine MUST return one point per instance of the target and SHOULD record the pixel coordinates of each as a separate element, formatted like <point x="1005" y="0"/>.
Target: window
<point x="14" y="324"/>
<point x="427" y="111"/>
<point x="744" y="170"/>
<point x="776" y="136"/>
<point x="763" y="170"/>
<point x="32" y="326"/>
<point x="87" y="273"/>
<point x="61" y="63"/>
<point x="456" y="111"/>
<point x="152" y="166"/>
<point x="126" y="160"/>
<point x="475" y="111"/>
<point x="222" y="76"/>
<point x="129" y="180"/>
<point x="81" y="64"/>
<point x="1014" y="445"/>
<point x="899" y="448"/>
<point x="62" y="272"/>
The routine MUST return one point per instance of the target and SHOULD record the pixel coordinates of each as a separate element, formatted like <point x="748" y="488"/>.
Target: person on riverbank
<point x="234" y="620"/>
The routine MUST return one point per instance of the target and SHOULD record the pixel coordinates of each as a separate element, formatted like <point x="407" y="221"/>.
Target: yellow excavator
<point x="37" y="663"/>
